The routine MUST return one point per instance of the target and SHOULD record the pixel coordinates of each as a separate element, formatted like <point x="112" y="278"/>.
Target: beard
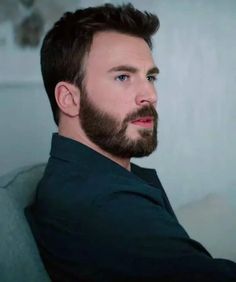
<point x="109" y="133"/>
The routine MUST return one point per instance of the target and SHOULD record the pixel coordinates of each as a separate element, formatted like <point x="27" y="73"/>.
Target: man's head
<point x="101" y="56"/>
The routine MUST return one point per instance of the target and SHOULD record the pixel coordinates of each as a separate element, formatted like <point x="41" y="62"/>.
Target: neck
<point x="82" y="138"/>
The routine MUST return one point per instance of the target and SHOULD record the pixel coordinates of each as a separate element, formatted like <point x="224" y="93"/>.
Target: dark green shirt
<point x="96" y="221"/>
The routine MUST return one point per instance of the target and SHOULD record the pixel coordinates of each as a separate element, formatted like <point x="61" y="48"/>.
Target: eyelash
<point x="119" y="77"/>
<point x="151" y="78"/>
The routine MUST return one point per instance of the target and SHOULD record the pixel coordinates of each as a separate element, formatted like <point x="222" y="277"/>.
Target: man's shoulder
<point x="67" y="178"/>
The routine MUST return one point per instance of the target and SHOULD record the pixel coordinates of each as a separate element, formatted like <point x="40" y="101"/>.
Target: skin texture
<point x="119" y="81"/>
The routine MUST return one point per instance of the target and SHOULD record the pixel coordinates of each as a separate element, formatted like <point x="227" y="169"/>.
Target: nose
<point x="146" y="94"/>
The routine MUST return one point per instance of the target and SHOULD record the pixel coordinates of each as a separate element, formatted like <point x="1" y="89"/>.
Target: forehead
<point x="109" y="49"/>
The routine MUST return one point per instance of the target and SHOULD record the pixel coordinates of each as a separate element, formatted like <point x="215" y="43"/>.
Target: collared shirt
<point x="94" y="220"/>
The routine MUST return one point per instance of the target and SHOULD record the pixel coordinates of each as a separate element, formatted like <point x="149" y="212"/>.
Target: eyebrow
<point x="133" y="69"/>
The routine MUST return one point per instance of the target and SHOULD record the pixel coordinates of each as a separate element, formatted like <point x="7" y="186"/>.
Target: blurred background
<point x="195" y="50"/>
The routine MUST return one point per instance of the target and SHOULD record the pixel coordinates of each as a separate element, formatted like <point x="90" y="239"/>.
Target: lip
<point x="146" y="122"/>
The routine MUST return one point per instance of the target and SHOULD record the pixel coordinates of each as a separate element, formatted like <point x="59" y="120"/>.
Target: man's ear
<point x="67" y="96"/>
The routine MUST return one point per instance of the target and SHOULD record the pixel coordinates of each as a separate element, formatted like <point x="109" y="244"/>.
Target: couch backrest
<point x="19" y="256"/>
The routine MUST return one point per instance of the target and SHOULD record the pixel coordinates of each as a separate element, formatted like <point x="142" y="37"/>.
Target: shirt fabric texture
<point x="93" y="220"/>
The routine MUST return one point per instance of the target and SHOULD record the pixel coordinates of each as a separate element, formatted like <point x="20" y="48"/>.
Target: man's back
<point x="95" y="221"/>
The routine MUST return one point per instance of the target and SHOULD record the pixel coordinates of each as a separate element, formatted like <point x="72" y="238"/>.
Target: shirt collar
<point x="73" y="151"/>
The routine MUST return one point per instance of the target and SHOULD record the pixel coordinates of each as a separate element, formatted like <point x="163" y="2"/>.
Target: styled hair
<point x="66" y="45"/>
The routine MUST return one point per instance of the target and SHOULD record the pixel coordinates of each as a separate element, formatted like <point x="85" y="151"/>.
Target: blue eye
<point x="122" y="77"/>
<point x="151" y="78"/>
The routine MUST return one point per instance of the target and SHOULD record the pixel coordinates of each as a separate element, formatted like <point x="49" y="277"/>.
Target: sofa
<point x="19" y="256"/>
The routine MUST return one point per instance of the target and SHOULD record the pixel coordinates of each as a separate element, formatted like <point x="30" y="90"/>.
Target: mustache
<point x="148" y="110"/>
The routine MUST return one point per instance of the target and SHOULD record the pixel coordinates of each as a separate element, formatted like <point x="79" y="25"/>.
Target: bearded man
<point x="97" y="216"/>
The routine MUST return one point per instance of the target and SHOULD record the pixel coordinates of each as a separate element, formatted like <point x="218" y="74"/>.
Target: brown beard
<point x="110" y="135"/>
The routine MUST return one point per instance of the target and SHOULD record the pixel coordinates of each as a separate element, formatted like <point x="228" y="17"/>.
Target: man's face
<point x="117" y="108"/>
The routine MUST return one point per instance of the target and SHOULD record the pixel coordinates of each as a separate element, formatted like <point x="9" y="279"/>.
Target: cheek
<point x="111" y="97"/>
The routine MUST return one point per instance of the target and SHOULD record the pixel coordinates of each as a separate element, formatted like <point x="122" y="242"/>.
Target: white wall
<point x="195" y="50"/>
<point x="25" y="126"/>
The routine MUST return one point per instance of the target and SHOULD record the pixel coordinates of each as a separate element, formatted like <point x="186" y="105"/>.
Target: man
<point x="96" y="216"/>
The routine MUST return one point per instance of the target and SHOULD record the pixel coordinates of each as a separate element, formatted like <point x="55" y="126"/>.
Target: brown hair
<point x="66" y="44"/>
